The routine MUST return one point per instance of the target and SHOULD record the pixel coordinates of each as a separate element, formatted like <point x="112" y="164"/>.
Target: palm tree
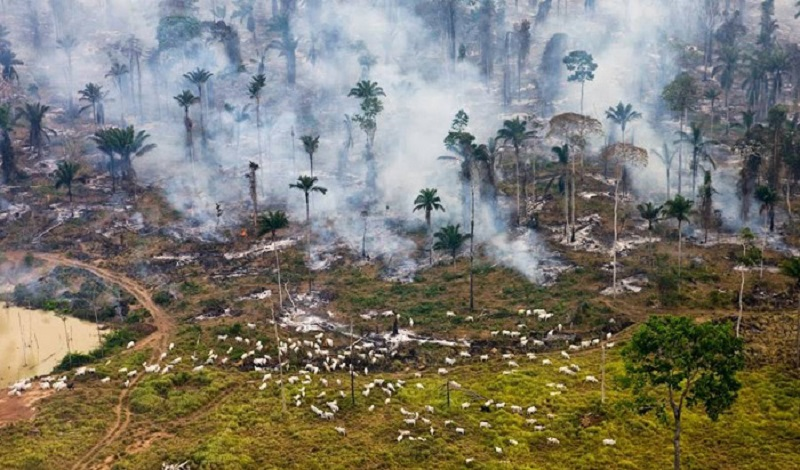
<point x="104" y="139"/>
<point x="450" y="239"/>
<point x="516" y="132"/>
<point x="287" y="45"/>
<point x="35" y="114"/>
<point x="8" y="60"/>
<point x="666" y="156"/>
<point x="254" y="87"/>
<point x="699" y="145"/>
<point x="621" y="115"/>
<point x="712" y="95"/>
<point x="562" y="153"/>
<point x="366" y="89"/>
<point x="308" y="184"/>
<point x="94" y="95"/>
<point x="185" y="100"/>
<point x="791" y="267"/>
<point x="271" y="222"/>
<point x="68" y="44"/>
<point x="729" y="61"/>
<point x="65" y="174"/>
<point x="679" y="209"/>
<point x="427" y="200"/>
<point x="768" y="198"/>
<point x="127" y="143"/>
<point x="117" y="74"/>
<point x="198" y="78"/>
<point x="8" y="160"/>
<point x="310" y="144"/>
<point x="650" y="212"/>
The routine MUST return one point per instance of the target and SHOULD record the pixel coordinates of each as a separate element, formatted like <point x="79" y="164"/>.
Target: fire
<point x="244" y="233"/>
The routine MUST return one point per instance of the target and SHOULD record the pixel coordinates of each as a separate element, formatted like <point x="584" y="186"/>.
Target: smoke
<point x="631" y="42"/>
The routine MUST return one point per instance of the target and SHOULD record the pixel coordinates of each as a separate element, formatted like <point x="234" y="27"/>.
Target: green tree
<point x="308" y="184"/>
<point x="515" y="131"/>
<point x="581" y="65"/>
<point x="8" y="60"/>
<point x="651" y="213"/>
<point x="310" y="145"/>
<point x="125" y="142"/>
<point x="768" y="198"/>
<point x="65" y="175"/>
<point x="729" y="62"/>
<point x="35" y="115"/>
<point x="117" y="73"/>
<point x="712" y="94"/>
<point x="621" y="115"/>
<point x="428" y="201"/>
<point x="287" y="44"/>
<point x="199" y="77"/>
<point x="681" y="95"/>
<point x="94" y="95"/>
<point x="371" y="106"/>
<point x="679" y="209"/>
<point x="450" y="239"/>
<point x="245" y="12"/>
<point x="695" y="364"/>
<point x="699" y="144"/>
<point x="271" y="222"/>
<point x="185" y="100"/>
<point x="706" y="207"/>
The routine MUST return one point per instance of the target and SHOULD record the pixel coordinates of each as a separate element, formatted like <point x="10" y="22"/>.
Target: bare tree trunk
<point x="603" y="375"/>
<point x="472" y="247"/>
<point x="741" y="304"/>
<point x="614" y="247"/>
<point x="280" y="359"/>
<point x="519" y="203"/>
<point x="676" y="441"/>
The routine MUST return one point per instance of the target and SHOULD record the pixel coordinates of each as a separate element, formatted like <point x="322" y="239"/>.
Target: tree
<point x="308" y="184"/>
<point x="185" y="100"/>
<point x="94" y="95"/>
<point x="666" y="156"/>
<point x="650" y="212"/>
<point x="746" y="236"/>
<point x="68" y="44"/>
<point x="105" y="143"/>
<point x="8" y="159"/>
<point x="287" y="44"/>
<point x="251" y="180"/>
<point x="729" y="61"/>
<point x="271" y="222"/>
<point x="35" y="114"/>
<point x="696" y="364"/>
<point x="581" y="65"/>
<point x="679" y="209"/>
<point x="245" y="12"/>
<point x="562" y="153"/>
<point x="450" y="239"/>
<point x="621" y="115"/>
<point x="8" y="60"/>
<point x="712" y="94"/>
<point x="371" y="106"/>
<point x="310" y="145"/>
<point x="125" y="142"/>
<point x="699" y="145"/>
<point x="768" y="198"/>
<point x="254" y="87"/>
<point x="681" y="95"/>
<point x="65" y="175"/>
<point x="515" y="131"/>
<point x="117" y="74"/>
<point x="199" y="77"/>
<point x="706" y="207"/>
<point x="524" y="42"/>
<point x="428" y="200"/>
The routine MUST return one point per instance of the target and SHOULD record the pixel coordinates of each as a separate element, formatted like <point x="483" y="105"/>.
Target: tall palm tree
<point x="271" y="222"/>
<point x="515" y="131"/>
<point x="679" y="209"/>
<point x="428" y="200"/>
<point x="700" y="145"/>
<point x="68" y="44"/>
<point x="94" y="95"/>
<point x="125" y="142"/>
<point x="366" y="89"/>
<point x="562" y="153"/>
<point x="621" y="115"/>
<point x="199" y="77"/>
<point x="254" y="87"/>
<point x="117" y="73"/>
<point x="308" y="184"/>
<point x="185" y="100"/>
<point x="768" y="198"/>
<point x="8" y="60"/>
<point x="104" y="139"/>
<point x="729" y="62"/>
<point x="35" y="114"/>
<point x="310" y="144"/>
<point x="287" y="44"/>
<point x="712" y="94"/>
<point x="65" y="175"/>
<point x="666" y="156"/>
<point x="650" y="212"/>
<point x="450" y="239"/>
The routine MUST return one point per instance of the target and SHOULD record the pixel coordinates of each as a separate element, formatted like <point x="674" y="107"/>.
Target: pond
<point x="33" y="342"/>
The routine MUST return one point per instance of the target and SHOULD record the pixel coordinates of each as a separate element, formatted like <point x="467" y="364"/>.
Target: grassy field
<point x="218" y="419"/>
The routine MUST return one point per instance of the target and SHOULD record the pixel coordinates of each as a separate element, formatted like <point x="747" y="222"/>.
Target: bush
<point x="162" y="298"/>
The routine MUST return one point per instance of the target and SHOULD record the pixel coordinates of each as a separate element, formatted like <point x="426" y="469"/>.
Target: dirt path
<point x="158" y="341"/>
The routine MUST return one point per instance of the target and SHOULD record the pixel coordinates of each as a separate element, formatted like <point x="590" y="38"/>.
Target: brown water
<point x="33" y="342"/>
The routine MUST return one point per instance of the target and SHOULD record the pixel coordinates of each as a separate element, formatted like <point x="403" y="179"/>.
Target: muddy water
<point x="33" y="342"/>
